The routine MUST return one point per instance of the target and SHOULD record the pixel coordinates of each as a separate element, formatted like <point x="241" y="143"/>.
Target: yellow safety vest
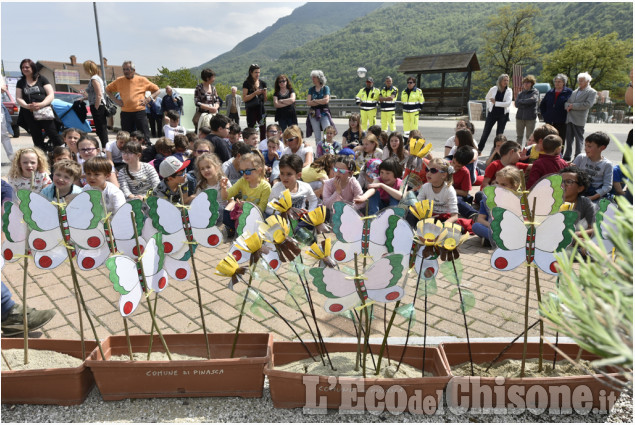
<point x="386" y="92"/>
<point x="367" y="101"/>
<point x="412" y="101"/>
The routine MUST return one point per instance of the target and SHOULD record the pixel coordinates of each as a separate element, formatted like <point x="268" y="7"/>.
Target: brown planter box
<point x="288" y="389"/>
<point x="219" y="377"/>
<point x="63" y="386"/>
<point x="559" y="394"/>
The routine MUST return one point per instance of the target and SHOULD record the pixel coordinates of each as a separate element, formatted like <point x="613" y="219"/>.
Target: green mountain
<point x="304" y="24"/>
<point x="381" y="35"/>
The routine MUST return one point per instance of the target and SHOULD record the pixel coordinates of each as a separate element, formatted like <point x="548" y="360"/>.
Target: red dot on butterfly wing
<point x="39" y="244"/>
<point x="45" y="262"/>
<point x="501" y="263"/>
<point x="237" y="254"/>
<point x="213" y="240"/>
<point x="88" y="263"/>
<point x="167" y="247"/>
<point x="127" y="307"/>
<point x="339" y="255"/>
<point x="274" y="263"/>
<point x="392" y="296"/>
<point x="335" y="308"/>
<point x="429" y="272"/>
<point x="7" y="254"/>
<point x="554" y="267"/>
<point x="93" y="241"/>
<point x="162" y="282"/>
<point x="180" y="273"/>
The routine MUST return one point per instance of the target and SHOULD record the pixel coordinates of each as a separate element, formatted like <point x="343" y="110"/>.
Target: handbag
<point x="111" y="107"/>
<point x="44" y="114"/>
<point x="253" y="102"/>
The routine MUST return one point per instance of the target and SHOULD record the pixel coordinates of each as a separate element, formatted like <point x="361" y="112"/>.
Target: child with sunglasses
<point x="439" y="189"/>
<point x="253" y="187"/>
<point x="342" y="187"/>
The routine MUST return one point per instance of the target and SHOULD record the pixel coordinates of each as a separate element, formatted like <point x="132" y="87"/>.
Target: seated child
<point x="272" y="159"/>
<point x="549" y="162"/>
<point x="209" y="175"/>
<point x="343" y="186"/>
<point x="230" y="167"/>
<point x="302" y="195"/>
<point x="385" y="190"/>
<point x="292" y="137"/>
<point x="113" y="149"/>
<point x="200" y="147"/>
<point x="462" y="182"/>
<point x="65" y="172"/>
<point x="599" y="168"/>
<point x="510" y="155"/>
<point x="175" y="181"/>
<point x="164" y="148"/>
<point x="395" y="148"/>
<point x="451" y="142"/>
<point x="136" y="178"/>
<point x="59" y="153"/>
<point x="508" y="177"/>
<point x="328" y="145"/>
<point x="534" y="150"/>
<point x="273" y="130"/>
<point x="319" y="172"/>
<point x="97" y="171"/>
<point x="619" y="184"/>
<point x="352" y="137"/>
<point x="234" y="133"/>
<point x="499" y="140"/>
<point x="89" y="148"/>
<point x="173" y="128"/>
<point x="251" y="136"/>
<point x="180" y="147"/>
<point x="439" y="189"/>
<point x="575" y="182"/>
<point x="252" y="187"/>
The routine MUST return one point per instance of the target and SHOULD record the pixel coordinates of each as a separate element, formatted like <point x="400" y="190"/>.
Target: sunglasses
<point x="272" y="131"/>
<point x="283" y="81"/>
<point x="247" y="172"/>
<point x="201" y="151"/>
<point x="434" y="170"/>
<point x="340" y="170"/>
<point x="181" y="174"/>
<point x="291" y="139"/>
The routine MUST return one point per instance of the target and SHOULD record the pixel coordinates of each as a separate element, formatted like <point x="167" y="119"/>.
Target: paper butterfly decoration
<point x="249" y="223"/>
<point x="387" y="233"/>
<point x="15" y="231"/>
<point x="123" y="235"/>
<point x="195" y="224"/>
<point x="128" y="279"/>
<point x="521" y="240"/>
<point x="605" y="220"/>
<point x="379" y="284"/>
<point x="81" y="220"/>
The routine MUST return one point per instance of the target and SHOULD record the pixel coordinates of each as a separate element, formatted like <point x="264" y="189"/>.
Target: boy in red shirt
<point x="549" y="161"/>
<point x="462" y="181"/>
<point x="509" y="156"/>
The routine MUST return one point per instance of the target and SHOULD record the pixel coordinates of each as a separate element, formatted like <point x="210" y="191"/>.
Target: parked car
<point x="14" y="109"/>
<point x="72" y="97"/>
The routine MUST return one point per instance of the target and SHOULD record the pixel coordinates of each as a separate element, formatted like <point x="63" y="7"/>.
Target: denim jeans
<point x="375" y="203"/>
<point x="7" y="302"/>
<point x="319" y="125"/>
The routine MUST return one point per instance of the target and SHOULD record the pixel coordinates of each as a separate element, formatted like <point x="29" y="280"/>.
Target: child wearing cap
<point x="175" y="181"/>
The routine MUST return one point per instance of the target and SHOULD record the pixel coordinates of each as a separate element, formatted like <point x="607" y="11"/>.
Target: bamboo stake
<point x="6" y="361"/>
<point x="151" y="341"/>
<point x="25" y="319"/>
<point x="467" y="334"/>
<point x="125" y="327"/>
<point x="242" y="309"/>
<point x="542" y="327"/>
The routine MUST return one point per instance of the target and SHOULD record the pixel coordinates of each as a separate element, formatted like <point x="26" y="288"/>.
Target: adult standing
<point x="387" y="105"/>
<point x="527" y="104"/>
<point x="255" y="96"/>
<point x="284" y="102"/>
<point x="34" y="94"/>
<point x="95" y="91"/>
<point x="552" y="105"/>
<point x="367" y="99"/>
<point x="499" y="98"/>
<point x="577" y="108"/>
<point x="206" y="99"/>
<point x="232" y="103"/>
<point x="171" y="102"/>
<point x="411" y="99"/>
<point x="318" y="100"/>
<point x="132" y="90"/>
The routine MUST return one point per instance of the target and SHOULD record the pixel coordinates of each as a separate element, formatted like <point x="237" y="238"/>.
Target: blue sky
<point x="152" y="34"/>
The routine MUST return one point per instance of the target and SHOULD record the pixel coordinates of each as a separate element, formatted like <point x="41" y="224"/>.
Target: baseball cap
<point x="372" y="168"/>
<point x="347" y="152"/>
<point x="172" y="165"/>
<point x="370" y="79"/>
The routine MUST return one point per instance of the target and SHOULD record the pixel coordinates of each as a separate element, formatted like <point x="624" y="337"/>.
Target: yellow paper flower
<point x="251" y="244"/>
<point x="227" y="267"/>
<point x="315" y="217"/>
<point x="282" y="204"/>
<point x="317" y="252"/>
<point x="275" y="229"/>
<point x="422" y="209"/>
<point x="428" y="232"/>
<point x="566" y="206"/>
<point x="451" y="236"/>
<point x="419" y="147"/>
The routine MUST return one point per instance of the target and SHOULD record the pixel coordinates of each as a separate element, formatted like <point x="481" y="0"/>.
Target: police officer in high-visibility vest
<point x="387" y="103"/>
<point x="367" y="99"/>
<point x="412" y="100"/>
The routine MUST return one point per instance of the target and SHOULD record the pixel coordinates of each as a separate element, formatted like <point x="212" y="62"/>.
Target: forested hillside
<point x="380" y="40"/>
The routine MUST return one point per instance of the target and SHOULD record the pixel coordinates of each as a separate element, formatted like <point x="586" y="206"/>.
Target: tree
<point x="182" y="78"/>
<point x="606" y="58"/>
<point x="509" y="40"/>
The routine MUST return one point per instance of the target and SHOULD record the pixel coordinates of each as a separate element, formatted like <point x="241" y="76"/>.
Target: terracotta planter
<point x="290" y="390"/>
<point x="221" y="376"/>
<point x="582" y="393"/>
<point x="63" y="386"/>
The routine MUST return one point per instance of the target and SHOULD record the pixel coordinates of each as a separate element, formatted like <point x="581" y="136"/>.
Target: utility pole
<point x="101" y="58"/>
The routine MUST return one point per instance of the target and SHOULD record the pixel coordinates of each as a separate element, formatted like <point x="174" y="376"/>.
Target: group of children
<point x="366" y="169"/>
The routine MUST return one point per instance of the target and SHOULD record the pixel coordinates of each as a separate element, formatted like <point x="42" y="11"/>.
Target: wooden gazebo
<point x="443" y="100"/>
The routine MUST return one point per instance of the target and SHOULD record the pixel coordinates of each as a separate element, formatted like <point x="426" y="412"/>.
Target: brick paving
<point x="498" y="311"/>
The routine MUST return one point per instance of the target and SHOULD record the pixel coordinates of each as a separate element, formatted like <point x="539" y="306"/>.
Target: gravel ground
<point x="234" y="409"/>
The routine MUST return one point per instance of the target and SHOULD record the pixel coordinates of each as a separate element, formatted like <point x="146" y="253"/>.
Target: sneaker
<point x="485" y="243"/>
<point x="13" y="324"/>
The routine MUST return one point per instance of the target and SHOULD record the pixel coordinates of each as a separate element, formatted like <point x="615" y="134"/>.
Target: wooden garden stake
<point x="242" y="309"/>
<point x="467" y="334"/>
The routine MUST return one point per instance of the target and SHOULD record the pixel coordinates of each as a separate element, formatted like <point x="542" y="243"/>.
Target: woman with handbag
<point x="34" y="93"/>
<point x="206" y="99"/>
<point x="255" y="96"/>
<point x="96" y="99"/>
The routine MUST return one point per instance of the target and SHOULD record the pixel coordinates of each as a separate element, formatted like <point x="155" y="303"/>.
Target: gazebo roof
<point x="434" y="64"/>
